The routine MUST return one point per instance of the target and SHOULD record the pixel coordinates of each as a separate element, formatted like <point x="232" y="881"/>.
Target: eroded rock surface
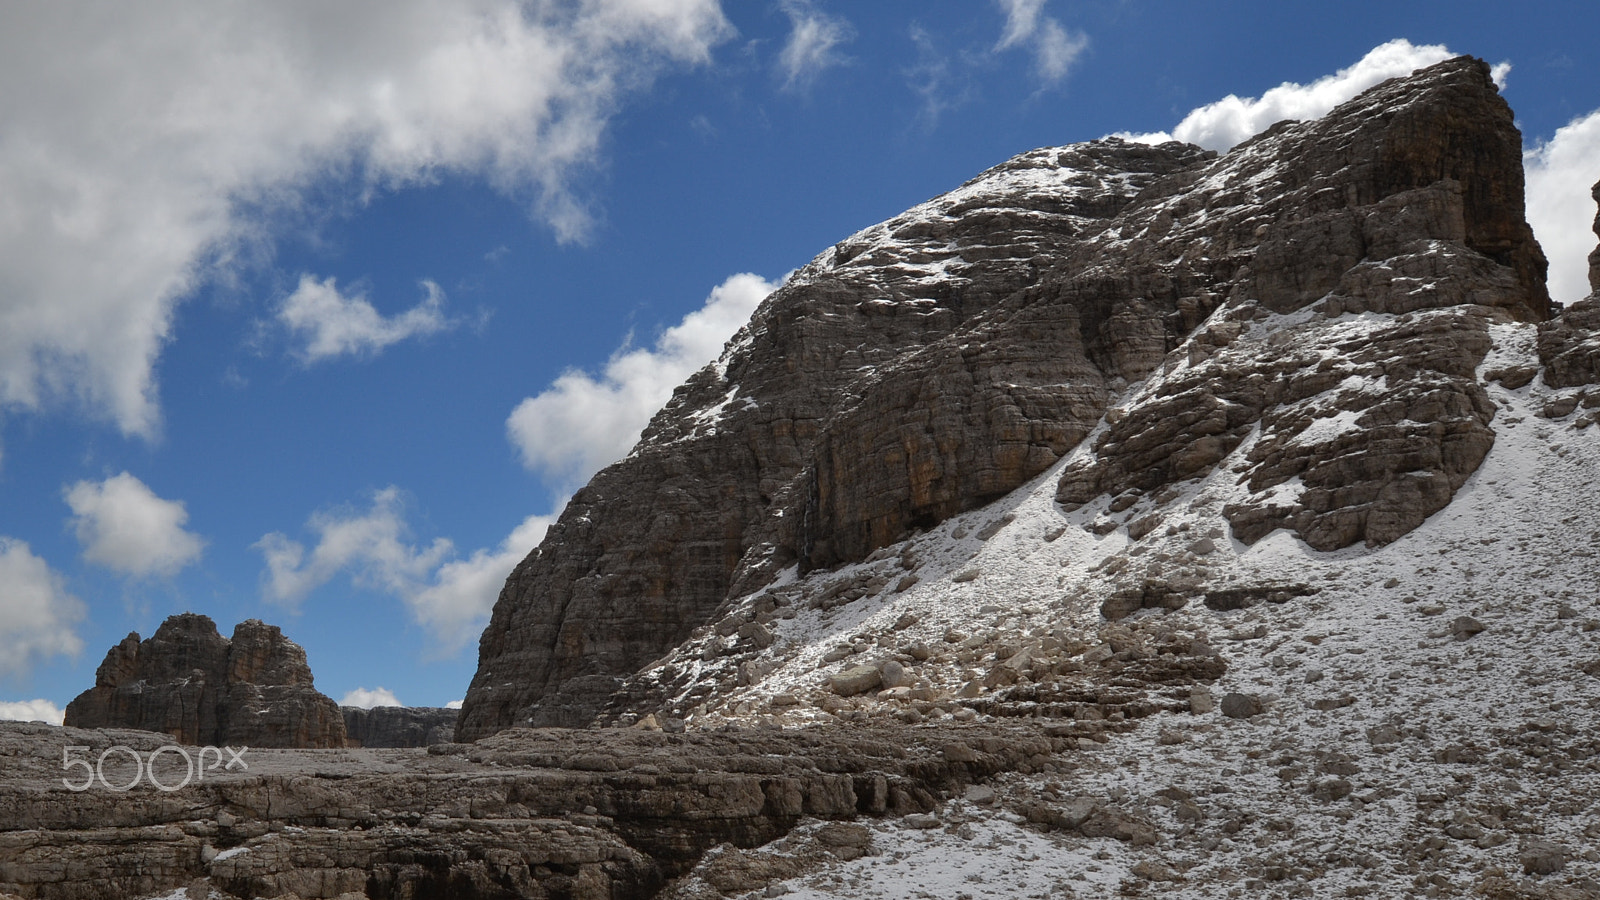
<point x="931" y="364"/>
<point x="1569" y="344"/>
<point x="590" y="815"/>
<point x="190" y="682"/>
<point x="398" y="726"/>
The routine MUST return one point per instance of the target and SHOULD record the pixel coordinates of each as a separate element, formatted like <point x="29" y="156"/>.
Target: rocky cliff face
<point x="934" y="363"/>
<point x="398" y="726"/>
<point x="1569" y="345"/>
<point x="203" y="689"/>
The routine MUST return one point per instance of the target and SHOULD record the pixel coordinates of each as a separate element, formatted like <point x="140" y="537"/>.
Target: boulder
<point x="855" y="680"/>
<point x="1241" y="706"/>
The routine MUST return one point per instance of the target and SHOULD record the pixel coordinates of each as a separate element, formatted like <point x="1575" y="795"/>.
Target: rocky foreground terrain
<point x="1130" y="521"/>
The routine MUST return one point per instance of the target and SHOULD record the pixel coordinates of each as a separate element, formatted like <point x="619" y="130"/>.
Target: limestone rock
<point x="603" y="813"/>
<point x="809" y="440"/>
<point x="398" y="726"/>
<point x="930" y="364"/>
<point x="1542" y="858"/>
<point x="203" y="689"/>
<point x="855" y="680"/>
<point x="1569" y="344"/>
<point x="1426" y="229"/>
<point x="1240" y="706"/>
<point x="1465" y="627"/>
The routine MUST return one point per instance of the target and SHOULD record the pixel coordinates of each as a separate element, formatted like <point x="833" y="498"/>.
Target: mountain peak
<point x="1308" y="310"/>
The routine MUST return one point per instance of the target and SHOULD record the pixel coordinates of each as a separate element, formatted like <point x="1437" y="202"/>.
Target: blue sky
<point x="313" y="314"/>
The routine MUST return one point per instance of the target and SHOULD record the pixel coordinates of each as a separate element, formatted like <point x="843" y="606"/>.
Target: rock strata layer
<point x="930" y="364"/>
<point x="398" y="726"/>
<point x="189" y="681"/>
<point x="592" y="815"/>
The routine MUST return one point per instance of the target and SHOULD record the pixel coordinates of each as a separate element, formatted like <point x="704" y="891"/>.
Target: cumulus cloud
<point x="582" y="422"/>
<point x="365" y="699"/>
<point x="334" y="324"/>
<point x="450" y="596"/>
<point x="1055" y="48"/>
<point x="148" y="133"/>
<point x="1561" y="210"/>
<point x="814" y="39"/>
<point x="1220" y="125"/>
<point x="454" y="704"/>
<point x="31" y="711"/>
<point x="371" y="545"/>
<point x="125" y="527"/>
<point x="459" y="596"/>
<point x="37" y="615"/>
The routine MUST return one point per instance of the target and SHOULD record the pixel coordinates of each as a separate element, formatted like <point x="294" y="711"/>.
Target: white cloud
<point x="148" y="132"/>
<point x="125" y="527"/>
<point x="813" y="39"/>
<point x="1022" y="20"/>
<point x="31" y="711"/>
<point x="582" y="423"/>
<point x="365" y="699"/>
<point x="333" y="324"/>
<point x="449" y="596"/>
<point x="1055" y="48"/>
<point x="1561" y="172"/>
<point x="454" y="704"/>
<point x="37" y="615"/>
<point x="371" y="545"/>
<point x="457" y="600"/>
<point x="1220" y="125"/>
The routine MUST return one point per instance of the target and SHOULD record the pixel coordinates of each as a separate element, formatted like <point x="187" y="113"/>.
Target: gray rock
<point x="1541" y="858"/>
<point x="1240" y="706"/>
<point x="855" y="680"/>
<point x="398" y="726"/>
<point x="322" y="823"/>
<point x="1465" y="627"/>
<point x="981" y="794"/>
<point x="1594" y="255"/>
<point x="1330" y="789"/>
<point x="203" y="689"/>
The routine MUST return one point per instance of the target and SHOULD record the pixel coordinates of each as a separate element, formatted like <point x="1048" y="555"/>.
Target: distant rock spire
<point x="188" y="681"/>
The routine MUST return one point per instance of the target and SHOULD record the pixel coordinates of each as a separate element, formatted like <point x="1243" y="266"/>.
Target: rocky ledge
<point x="525" y="814"/>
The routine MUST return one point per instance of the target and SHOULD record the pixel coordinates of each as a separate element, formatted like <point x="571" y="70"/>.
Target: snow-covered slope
<point x="1398" y="747"/>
